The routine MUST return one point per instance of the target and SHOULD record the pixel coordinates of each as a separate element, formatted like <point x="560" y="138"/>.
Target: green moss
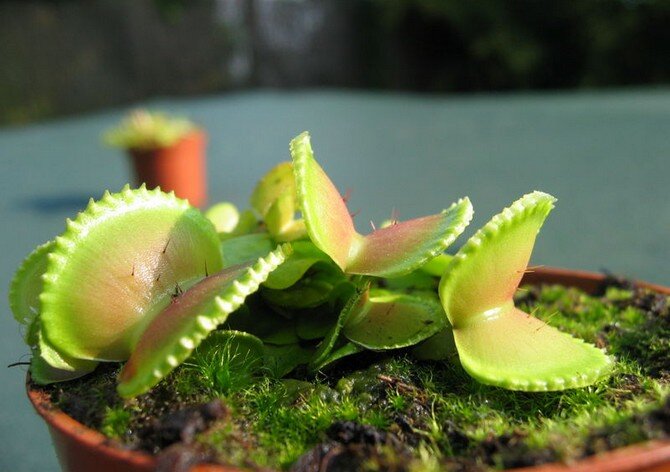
<point x="116" y="422"/>
<point x="222" y="365"/>
<point x="432" y="415"/>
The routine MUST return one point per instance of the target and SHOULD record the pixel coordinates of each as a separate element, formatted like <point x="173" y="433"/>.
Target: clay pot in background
<point x="180" y="168"/>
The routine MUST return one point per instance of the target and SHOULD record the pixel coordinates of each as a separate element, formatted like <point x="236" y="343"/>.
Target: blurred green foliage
<point x="69" y="56"/>
<point x="443" y="45"/>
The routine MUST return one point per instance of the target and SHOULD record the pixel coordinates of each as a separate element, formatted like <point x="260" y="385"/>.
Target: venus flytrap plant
<point x="497" y="343"/>
<point x="142" y="277"/>
<point x="138" y="253"/>
<point x="106" y="275"/>
<point x="117" y="266"/>
<point x="382" y="322"/>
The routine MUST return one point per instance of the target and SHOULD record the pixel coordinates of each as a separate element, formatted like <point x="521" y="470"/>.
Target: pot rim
<point x="648" y="456"/>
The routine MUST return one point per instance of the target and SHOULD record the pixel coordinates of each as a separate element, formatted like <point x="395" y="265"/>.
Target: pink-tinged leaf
<point x="498" y="344"/>
<point x="117" y="266"/>
<point x="173" y="334"/>
<point x="179" y="318"/>
<point x="401" y="248"/>
<point x="512" y="349"/>
<point x="327" y="219"/>
<point x="388" y="252"/>
<point x="486" y="271"/>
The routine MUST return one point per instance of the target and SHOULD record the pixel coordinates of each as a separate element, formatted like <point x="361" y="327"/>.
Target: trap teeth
<point x="187" y="343"/>
<point x="163" y="346"/>
<point x="225" y="305"/>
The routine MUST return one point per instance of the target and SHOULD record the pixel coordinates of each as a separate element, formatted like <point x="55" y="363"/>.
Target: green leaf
<point x="286" y="334"/>
<point x="392" y="321"/>
<point x="304" y="256"/>
<point x="257" y="318"/>
<point x="497" y="343"/>
<point x="440" y="346"/>
<point x="315" y="323"/>
<point x="48" y="365"/>
<point x="246" y="225"/>
<point x="417" y="280"/>
<point x="242" y="249"/>
<point x="173" y="334"/>
<point x="276" y="183"/>
<point x="43" y="373"/>
<point x="281" y="360"/>
<point x="392" y="251"/>
<point x="345" y="350"/>
<point x="514" y="350"/>
<point x="117" y="265"/>
<point x="437" y="266"/>
<point x="280" y="220"/>
<point x="224" y="216"/>
<point x="358" y="297"/>
<point x="310" y="291"/>
<point x="25" y="289"/>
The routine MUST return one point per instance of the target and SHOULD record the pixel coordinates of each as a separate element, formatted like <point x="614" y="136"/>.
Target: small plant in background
<point x="141" y="276"/>
<point x="165" y="151"/>
<point x="143" y="129"/>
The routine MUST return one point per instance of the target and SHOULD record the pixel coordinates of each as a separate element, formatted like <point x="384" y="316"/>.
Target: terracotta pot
<point x="180" y="168"/>
<point x="80" y="449"/>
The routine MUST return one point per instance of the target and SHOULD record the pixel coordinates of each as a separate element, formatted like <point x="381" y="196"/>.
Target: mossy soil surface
<point x="374" y="412"/>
